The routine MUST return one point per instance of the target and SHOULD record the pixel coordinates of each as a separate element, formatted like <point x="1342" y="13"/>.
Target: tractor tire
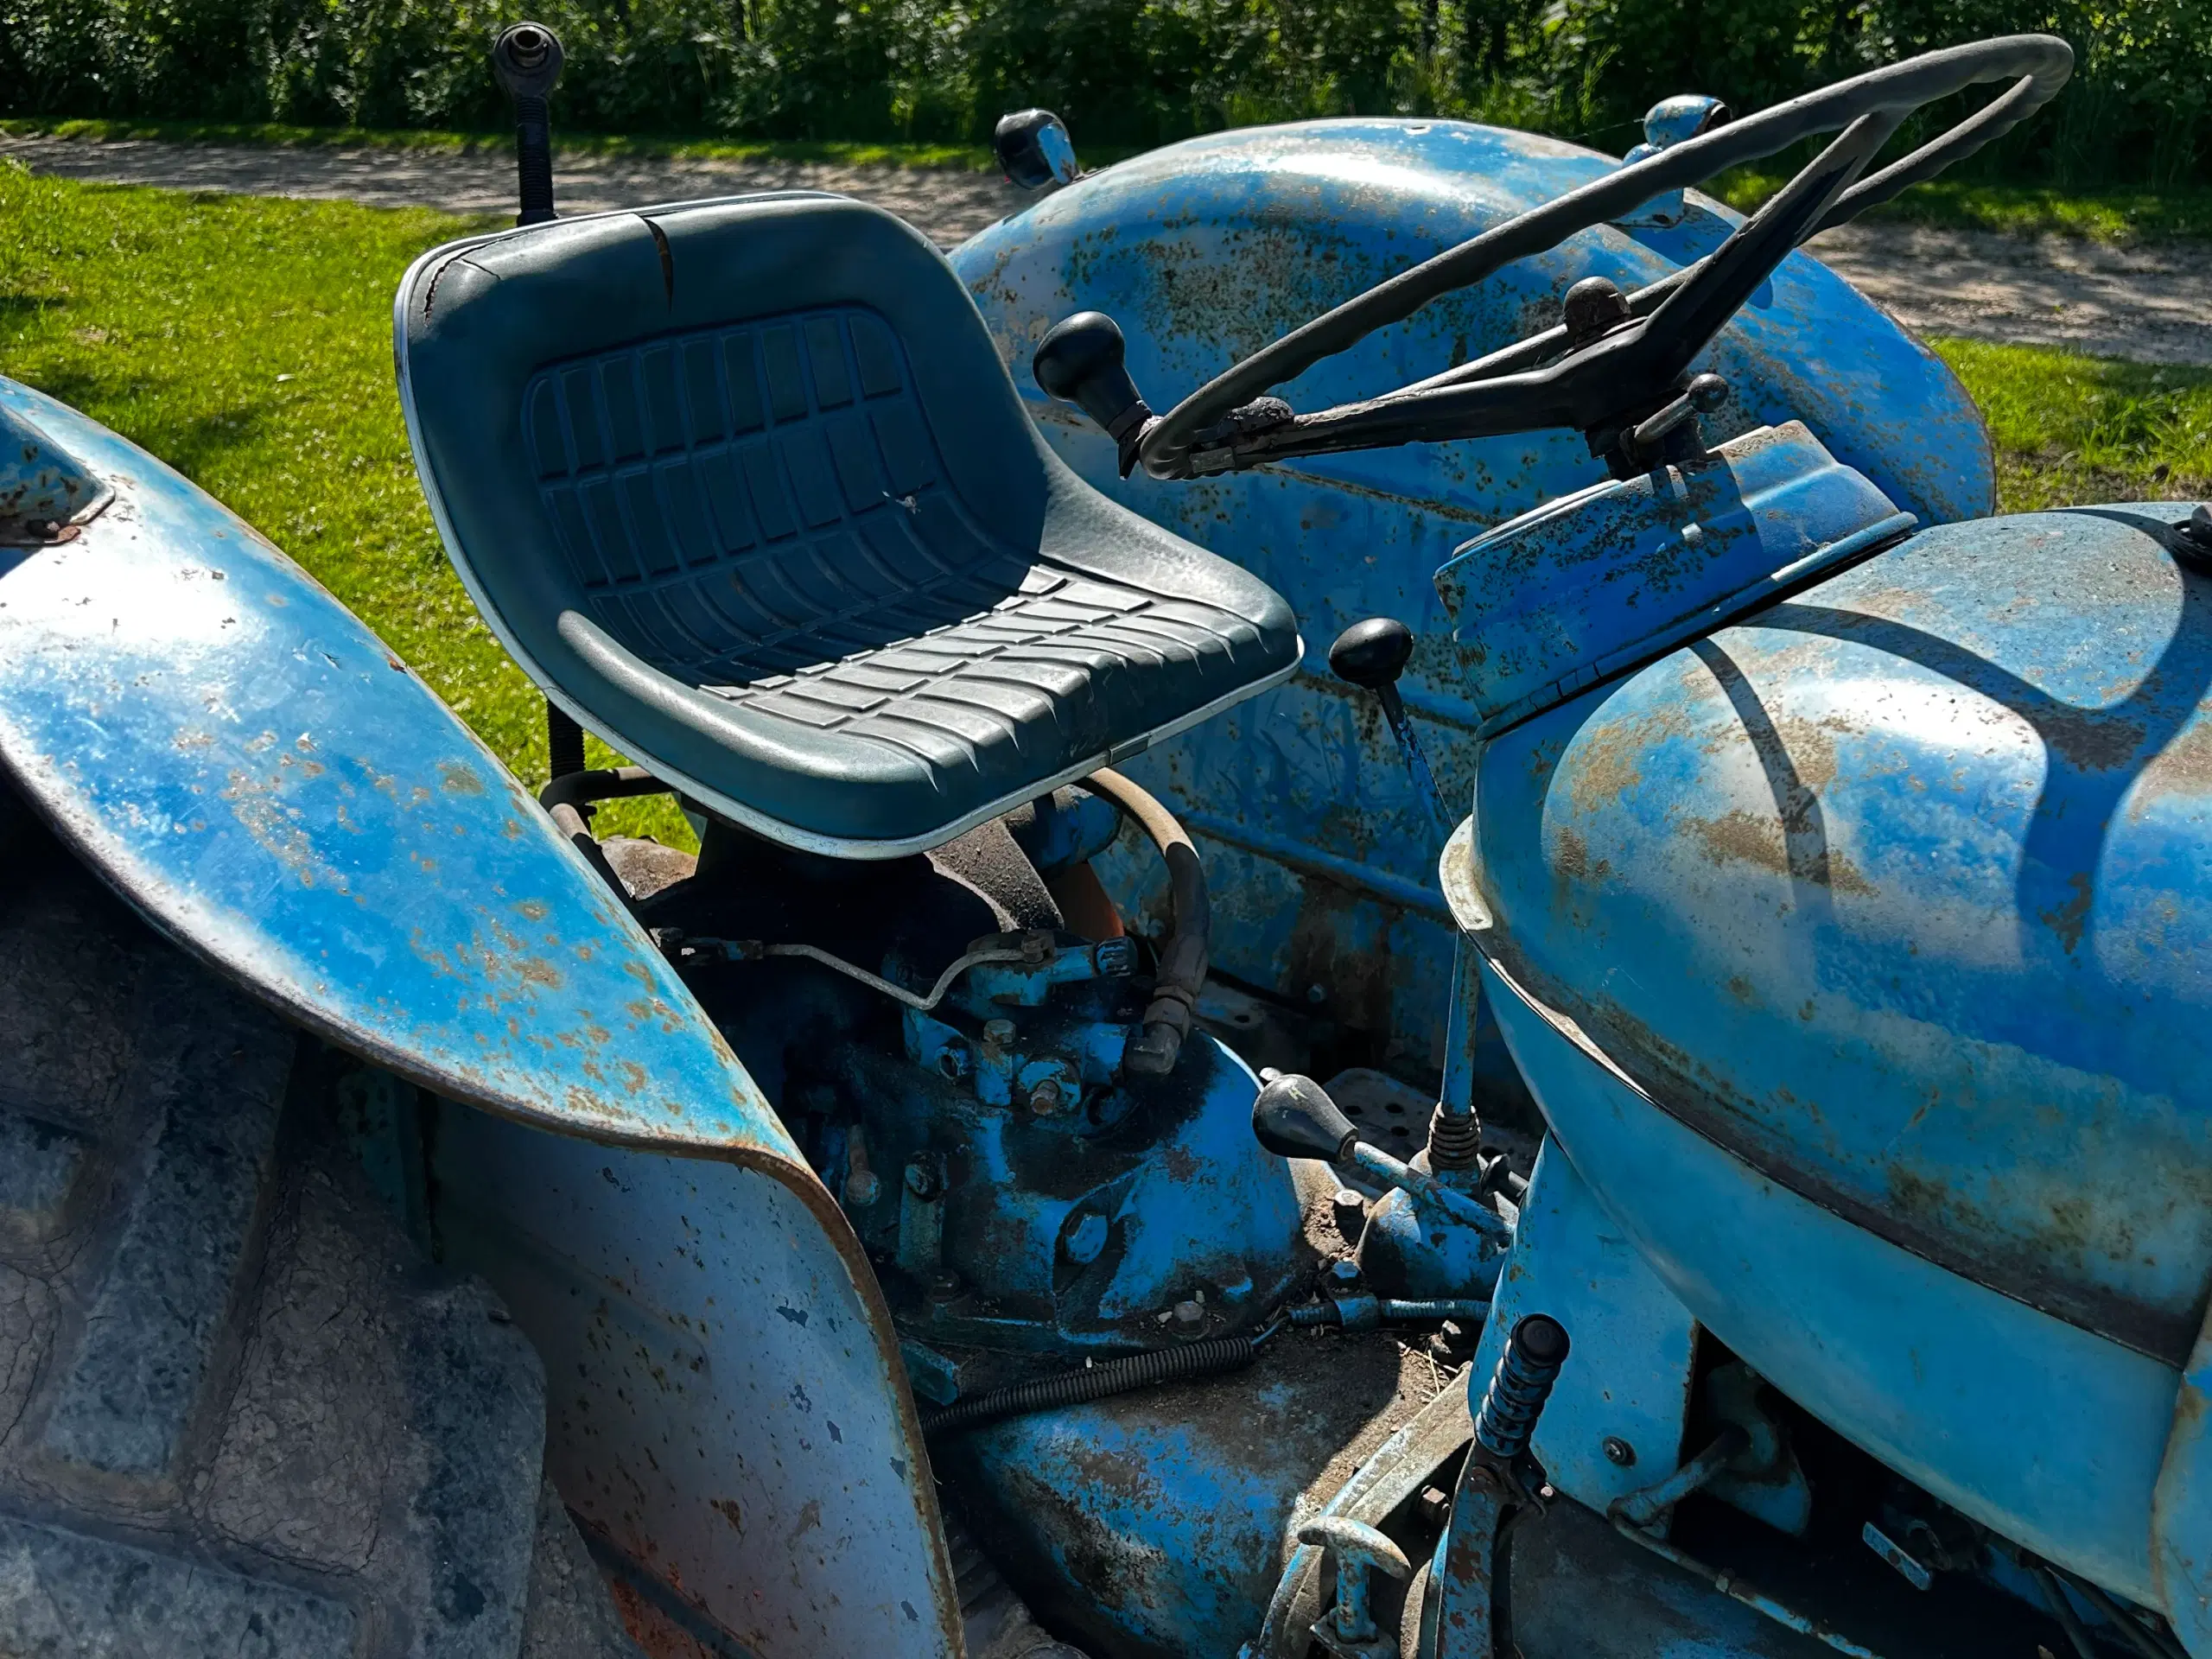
<point x="241" y="1413"/>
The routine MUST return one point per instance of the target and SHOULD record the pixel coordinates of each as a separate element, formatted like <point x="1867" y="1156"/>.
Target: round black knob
<point x="1293" y="1117"/>
<point x="526" y="59"/>
<point x="1080" y="362"/>
<point x="1033" y="149"/>
<point x="1593" y="307"/>
<point x="1373" y="653"/>
<point x="1542" y="1338"/>
<point x="1707" y="392"/>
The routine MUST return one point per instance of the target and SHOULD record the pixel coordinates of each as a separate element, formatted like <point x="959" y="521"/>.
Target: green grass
<point x="974" y="158"/>
<point x="247" y="340"/>
<point x="2109" y="214"/>
<point x="2068" y="428"/>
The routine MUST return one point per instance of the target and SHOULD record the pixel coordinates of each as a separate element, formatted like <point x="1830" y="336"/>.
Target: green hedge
<point x="1124" y="71"/>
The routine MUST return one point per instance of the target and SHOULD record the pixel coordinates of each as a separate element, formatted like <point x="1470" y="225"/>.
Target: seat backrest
<point x="740" y="437"/>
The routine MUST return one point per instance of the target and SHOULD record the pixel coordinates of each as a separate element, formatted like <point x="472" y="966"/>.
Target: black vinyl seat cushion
<point x="744" y="486"/>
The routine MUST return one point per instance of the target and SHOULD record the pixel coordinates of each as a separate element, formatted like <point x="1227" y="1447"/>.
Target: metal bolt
<point x="998" y="1037"/>
<point x="1317" y="994"/>
<point x="1434" y="1505"/>
<point x="1190" y="1317"/>
<point x="1349" y="1211"/>
<point x="1619" y="1451"/>
<point x="1046" y="1099"/>
<point x="1344" y="1271"/>
<point x="944" y="1287"/>
<point x="862" y="1187"/>
<point x="921" y="1180"/>
<point x="955" y="1063"/>
<point x="1036" y="947"/>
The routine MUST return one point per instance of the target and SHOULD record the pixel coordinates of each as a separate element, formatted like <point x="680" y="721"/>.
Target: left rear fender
<point x="254" y="771"/>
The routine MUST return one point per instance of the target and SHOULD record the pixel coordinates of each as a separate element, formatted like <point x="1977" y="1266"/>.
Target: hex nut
<point x="1619" y="1452"/>
<point x="1189" y="1318"/>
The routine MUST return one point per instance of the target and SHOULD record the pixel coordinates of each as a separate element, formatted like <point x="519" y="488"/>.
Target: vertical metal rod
<point x="565" y="742"/>
<point x="533" y="159"/>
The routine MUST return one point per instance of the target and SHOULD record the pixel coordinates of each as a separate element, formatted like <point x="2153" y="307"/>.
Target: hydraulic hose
<point x="1182" y="960"/>
<point x="1214" y="1357"/>
<point x="1152" y="1050"/>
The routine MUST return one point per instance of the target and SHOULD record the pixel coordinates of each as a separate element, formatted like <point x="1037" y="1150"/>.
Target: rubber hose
<point x="1152" y="1051"/>
<point x="1215" y="1356"/>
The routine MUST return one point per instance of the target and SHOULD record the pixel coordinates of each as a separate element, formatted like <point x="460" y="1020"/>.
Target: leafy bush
<point x="1124" y="71"/>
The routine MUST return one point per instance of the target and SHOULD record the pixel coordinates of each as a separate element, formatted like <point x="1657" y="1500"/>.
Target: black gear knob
<point x="1081" y="361"/>
<point x="1293" y="1117"/>
<point x="526" y="59"/>
<point x="1372" y="654"/>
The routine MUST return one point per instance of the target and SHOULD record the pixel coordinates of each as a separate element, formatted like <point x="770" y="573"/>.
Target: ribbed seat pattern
<point x="738" y="503"/>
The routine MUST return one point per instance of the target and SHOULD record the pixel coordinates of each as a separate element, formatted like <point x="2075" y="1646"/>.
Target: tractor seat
<point x="743" y="486"/>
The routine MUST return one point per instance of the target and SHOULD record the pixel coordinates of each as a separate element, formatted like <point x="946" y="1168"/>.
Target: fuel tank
<point x="1208" y="250"/>
<point x="1859" y="953"/>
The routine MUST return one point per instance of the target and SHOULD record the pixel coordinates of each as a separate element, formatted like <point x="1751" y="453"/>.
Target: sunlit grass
<point x="2068" y="428"/>
<point x="247" y="341"/>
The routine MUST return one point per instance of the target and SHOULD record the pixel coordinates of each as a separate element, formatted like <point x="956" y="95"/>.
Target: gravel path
<point x="2150" y="304"/>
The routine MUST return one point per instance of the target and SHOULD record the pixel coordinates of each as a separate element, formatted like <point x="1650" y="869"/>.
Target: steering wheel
<point x="1615" y="367"/>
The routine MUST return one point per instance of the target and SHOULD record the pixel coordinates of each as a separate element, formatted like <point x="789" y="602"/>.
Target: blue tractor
<point x="429" y="1226"/>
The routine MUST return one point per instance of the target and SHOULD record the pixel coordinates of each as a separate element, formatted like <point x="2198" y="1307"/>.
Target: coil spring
<point x="1521" y="1384"/>
<point x="1210" y="1358"/>
<point x="1454" y="1140"/>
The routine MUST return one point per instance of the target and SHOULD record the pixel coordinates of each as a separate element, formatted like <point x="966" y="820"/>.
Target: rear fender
<point x="262" y="780"/>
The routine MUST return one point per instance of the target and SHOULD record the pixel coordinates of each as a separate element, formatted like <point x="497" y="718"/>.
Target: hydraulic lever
<point x="1293" y="1117"/>
<point x="1372" y="655"/>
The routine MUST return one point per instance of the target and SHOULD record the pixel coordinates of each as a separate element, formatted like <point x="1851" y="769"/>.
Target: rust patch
<point x="457" y="780"/>
<point x="2183" y="767"/>
<point x="1607" y="761"/>
<point x="2090" y="740"/>
<point x="727" y="1508"/>
<point x="2067" y="920"/>
<point x="1750" y="839"/>
<point x="1571" y="858"/>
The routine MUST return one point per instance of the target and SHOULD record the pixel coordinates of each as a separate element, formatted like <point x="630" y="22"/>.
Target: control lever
<point x="1080" y="361"/>
<point x="1704" y="394"/>
<point x="1371" y="655"/>
<point x="1293" y="1117"/>
<point x="1033" y="149"/>
<point x="526" y="59"/>
<point x="1500" y="1476"/>
<point x="526" y="62"/>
